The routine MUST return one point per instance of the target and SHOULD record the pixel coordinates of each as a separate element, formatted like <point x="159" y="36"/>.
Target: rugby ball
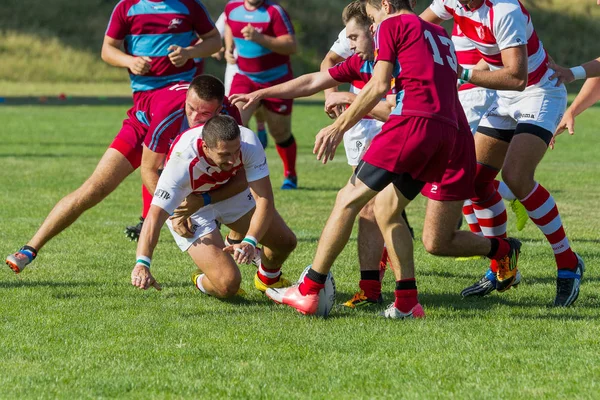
<point x="326" y="295"/>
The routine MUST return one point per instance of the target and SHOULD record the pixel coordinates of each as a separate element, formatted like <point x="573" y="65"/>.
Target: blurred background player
<point x="165" y="114"/>
<point x="231" y="69"/>
<point x="515" y="132"/>
<point x="202" y="160"/>
<point x="263" y="35"/>
<point x="157" y="42"/>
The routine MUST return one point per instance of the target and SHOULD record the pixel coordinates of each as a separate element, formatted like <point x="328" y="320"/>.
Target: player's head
<point x="378" y="10"/>
<point x="221" y="141"/>
<point x="358" y="29"/>
<point x="204" y="99"/>
<point x="255" y="3"/>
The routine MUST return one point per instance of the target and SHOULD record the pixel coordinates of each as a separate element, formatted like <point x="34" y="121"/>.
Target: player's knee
<point x="434" y="245"/>
<point x="228" y="287"/>
<point x="368" y="211"/>
<point x="347" y="198"/>
<point x="517" y="181"/>
<point x="91" y="193"/>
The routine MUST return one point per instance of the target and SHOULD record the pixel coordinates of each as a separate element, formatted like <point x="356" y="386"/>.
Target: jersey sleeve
<point x="510" y="27"/>
<point x="163" y="129"/>
<point x="220" y="24"/>
<point x="253" y="156"/>
<point x="439" y="9"/>
<point x="118" y="27"/>
<point x="174" y="185"/>
<point x="231" y="110"/>
<point x="341" y="46"/>
<point x="281" y="22"/>
<point x="386" y="42"/>
<point x="346" y="71"/>
<point x="202" y="22"/>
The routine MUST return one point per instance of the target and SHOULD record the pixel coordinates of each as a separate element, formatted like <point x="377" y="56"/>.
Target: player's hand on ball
<point x="242" y="253"/>
<point x="326" y="143"/>
<point x="142" y="278"/>
<point x="140" y="65"/>
<point x="566" y="123"/>
<point x="178" y="55"/>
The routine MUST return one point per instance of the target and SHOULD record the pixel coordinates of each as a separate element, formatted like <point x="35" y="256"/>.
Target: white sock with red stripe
<point x="504" y="191"/>
<point x="471" y="218"/>
<point x="491" y="215"/>
<point x="268" y="276"/>
<point x="542" y="210"/>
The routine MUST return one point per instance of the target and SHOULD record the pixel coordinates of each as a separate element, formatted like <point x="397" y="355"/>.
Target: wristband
<point x="250" y="239"/>
<point x="206" y="198"/>
<point x="579" y="72"/>
<point x="145" y="261"/>
<point x="466" y="75"/>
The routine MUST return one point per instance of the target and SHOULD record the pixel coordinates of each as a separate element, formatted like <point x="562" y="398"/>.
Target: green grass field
<point x="72" y="326"/>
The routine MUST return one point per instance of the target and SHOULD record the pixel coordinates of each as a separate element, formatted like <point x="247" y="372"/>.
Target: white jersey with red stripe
<point x="494" y="26"/>
<point x="467" y="54"/>
<point x="189" y="170"/>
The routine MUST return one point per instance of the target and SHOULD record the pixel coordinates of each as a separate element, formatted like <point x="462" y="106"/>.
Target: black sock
<point x="31" y="250"/>
<point x="287" y="142"/>
<point x="233" y="241"/>
<point x="316" y="277"/>
<point x="406" y="285"/>
<point x="494" y="242"/>
<point x="369" y="275"/>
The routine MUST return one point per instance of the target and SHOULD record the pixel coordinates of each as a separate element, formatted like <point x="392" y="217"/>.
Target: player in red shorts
<point x="425" y="146"/>
<point x="157" y="42"/>
<point x="263" y="35"/>
<point x="513" y="136"/>
<point x="144" y="141"/>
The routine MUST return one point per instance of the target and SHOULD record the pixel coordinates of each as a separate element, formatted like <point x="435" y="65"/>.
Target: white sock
<point x="505" y="192"/>
<point x="199" y="283"/>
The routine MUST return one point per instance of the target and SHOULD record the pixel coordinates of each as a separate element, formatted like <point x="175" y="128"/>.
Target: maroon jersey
<point x="424" y="67"/>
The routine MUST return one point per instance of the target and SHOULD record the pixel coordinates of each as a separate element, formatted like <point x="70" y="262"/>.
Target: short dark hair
<point x="356" y="11"/>
<point x="220" y="128"/>
<point x="208" y="88"/>
<point x="397" y="4"/>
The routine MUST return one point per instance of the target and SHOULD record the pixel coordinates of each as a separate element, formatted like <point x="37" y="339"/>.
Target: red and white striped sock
<point x="491" y="215"/>
<point x="542" y="210"/>
<point x="471" y="218"/>
<point x="268" y="276"/>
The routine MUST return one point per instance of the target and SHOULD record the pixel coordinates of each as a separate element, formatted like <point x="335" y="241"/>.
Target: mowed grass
<point x="72" y="326"/>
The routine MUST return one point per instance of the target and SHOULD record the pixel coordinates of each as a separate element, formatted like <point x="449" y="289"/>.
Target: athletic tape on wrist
<point x="250" y="239"/>
<point x="466" y="75"/>
<point x="579" y="72"/>
<point x="146" y="261"/>
<point x="206" y="198"/>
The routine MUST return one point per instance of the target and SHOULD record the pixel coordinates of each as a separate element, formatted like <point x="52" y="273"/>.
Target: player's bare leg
<point x="112" y="169"/>
<point x="221" y="276"/>
<point x="525" y="153"/>
<point x="280" y="128"/>
<point x="261" y="130"/>
<point x="388" y="210"/>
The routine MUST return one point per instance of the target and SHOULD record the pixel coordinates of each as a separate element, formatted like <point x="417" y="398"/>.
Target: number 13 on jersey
<point x="445" y="42"/>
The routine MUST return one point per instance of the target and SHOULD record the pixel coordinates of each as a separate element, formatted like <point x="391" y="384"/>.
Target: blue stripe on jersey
<point x="240" y="14"/>
<point x="140" y="83"/>
<point x="141" y="116"/>
<point x="156" y="45"/>
<point x="268" y="75"/>
<point x="165" y="123"/>
<point x="249" y="49"/>
<point x="399" y="98"/>
<point x="163" y="7"/>
<point x="367" y="67"/>
<point x="284" y="18"/>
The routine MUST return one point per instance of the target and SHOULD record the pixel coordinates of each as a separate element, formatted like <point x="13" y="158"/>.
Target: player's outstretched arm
<point x="262" y="192"/>
<point x="141" y="276"/>
<point x="113" y="54"/>
<point x="588" y="96"/>
<point x="380" y="112"/>
<point x="330" y="137"/>
<point x="331" y="59"/>
<point x="305" y="85"/>
<point x="152" y="162"/>
<point x="590" y="69"/>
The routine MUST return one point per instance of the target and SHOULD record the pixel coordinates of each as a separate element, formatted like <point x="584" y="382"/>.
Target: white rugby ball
<point x="326" y="295"/>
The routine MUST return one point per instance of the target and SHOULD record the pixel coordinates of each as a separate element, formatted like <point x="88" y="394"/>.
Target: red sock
<point x="500" y="249"/>
<point x="371" y="288"/>
<point x="268" y="276"/>
<point x="491" y="215"/>
<point x="308" y="286"/>
<point x="287" y="151"/>
<point x="542" y="210"/>
<point x="471" y="218"/>
<point x="146" y="201"/>
<point x="406" y="294"/>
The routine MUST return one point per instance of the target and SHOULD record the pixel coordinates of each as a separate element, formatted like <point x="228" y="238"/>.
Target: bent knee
<point x="434" y="246"/>
<point x="227" y="289"/>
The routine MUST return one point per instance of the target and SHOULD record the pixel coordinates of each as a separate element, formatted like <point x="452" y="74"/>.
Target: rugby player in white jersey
<point x="515" y="132"/>
<point x="202" y="160"/>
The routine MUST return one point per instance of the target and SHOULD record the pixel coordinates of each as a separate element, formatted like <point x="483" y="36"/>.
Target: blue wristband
<point x="145" y="261"/>
<point x="206" y="198"/>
